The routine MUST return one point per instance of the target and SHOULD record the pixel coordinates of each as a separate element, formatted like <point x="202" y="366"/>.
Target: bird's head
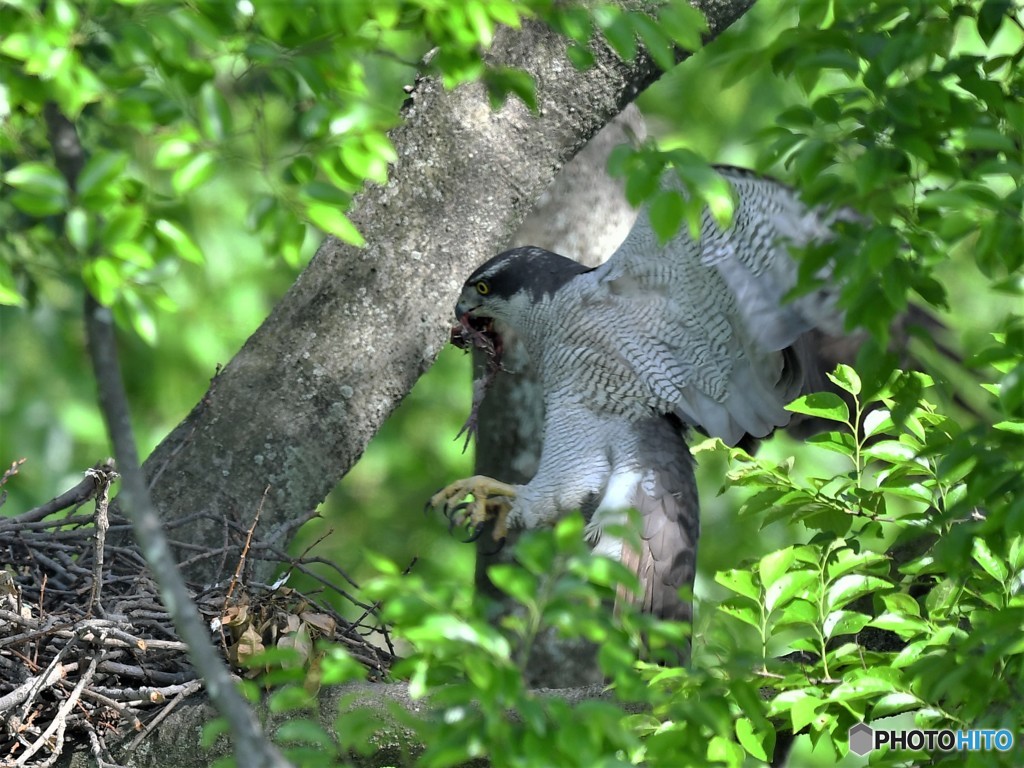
<point x="511" y="285"/>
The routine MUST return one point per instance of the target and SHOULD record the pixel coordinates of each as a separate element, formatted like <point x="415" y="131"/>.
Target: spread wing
<point x="712" y="338"/>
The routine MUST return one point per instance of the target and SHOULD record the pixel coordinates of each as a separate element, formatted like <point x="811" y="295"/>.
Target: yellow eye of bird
<point x="483" y="287"/>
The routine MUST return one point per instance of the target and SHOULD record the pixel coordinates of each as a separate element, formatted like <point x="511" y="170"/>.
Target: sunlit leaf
<point x="851" y="586"/>
<point x="178" y="239"/>
<point x="334" y="222"/>
<point x="987" y="559"/>
<point x="101" y="169"/>
<point x="824" y="405"/>
<point x="740" y="582"/>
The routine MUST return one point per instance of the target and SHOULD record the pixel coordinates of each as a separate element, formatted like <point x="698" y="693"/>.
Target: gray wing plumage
<point x="714" y="332"/>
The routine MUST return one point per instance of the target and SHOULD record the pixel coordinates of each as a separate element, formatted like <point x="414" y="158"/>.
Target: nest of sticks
<point x="89" y="655"/>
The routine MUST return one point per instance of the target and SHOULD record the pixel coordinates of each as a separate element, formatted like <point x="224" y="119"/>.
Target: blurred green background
<point x="47" y="399"/>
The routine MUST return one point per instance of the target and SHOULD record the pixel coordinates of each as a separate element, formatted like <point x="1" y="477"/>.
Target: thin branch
<point x="186" y="691"/>
<point x="58" y="724"/>
<point x="251" y="747"/>
<point x="106" y="479"/>
<point x="74" y="497"/>
<point x="240" y="567"/>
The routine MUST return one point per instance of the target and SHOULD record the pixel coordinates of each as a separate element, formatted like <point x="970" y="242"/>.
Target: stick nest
<point x="89" y="655"/>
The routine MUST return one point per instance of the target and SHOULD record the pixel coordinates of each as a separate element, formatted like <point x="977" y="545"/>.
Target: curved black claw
<point x="500" y="546"/>
<point x="455" y="513"/>
<point x="476" y="534"/>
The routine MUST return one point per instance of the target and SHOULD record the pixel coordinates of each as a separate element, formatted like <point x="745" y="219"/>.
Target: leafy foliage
<point x="166" y="95"/>
<point x="899" y="586"/>
<point x="865" y="621"/>
<point x="859" y="622"/>
<point x="912" y="117"/>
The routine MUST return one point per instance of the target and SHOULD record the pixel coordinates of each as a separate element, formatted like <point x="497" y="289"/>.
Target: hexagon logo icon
<point x="861" y="739"/>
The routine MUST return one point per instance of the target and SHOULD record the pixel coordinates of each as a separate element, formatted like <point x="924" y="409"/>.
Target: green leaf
<point x="846" y="560"/>
<point x="569" y="534"/>
<point x="300" y="730"/>
<point x="838" y="442"/>
<point x="334" y="222"/>
<point x="987" y="559"/>
<point x="1013" y="427"/>
<point x="9" y="295"/>
<point x="862" y="687"/>
<point x="878" y="421"/>
<point x="846" y="379"/>
<point x="41" y="189"/>
<point x="179" y="240"/>
<point x="725" y="752"/>
<point x="740" y="582"/>
<point x="657" y="43"/>
<point x="666" y="213"/>
<point x="844" y="623"/>
<point x="100" y="171"/>
<point x="742" y="611"/>
<point x="505" y="12"/>
<point x="132" y="253"/>
<point x="801" y="705"/>
<point x="78" y="227"/>
<point x="580" y="56"/>
<point x="850" y="587"/>
<point x="988" y="138"/>
<point x="196" y="171"/>
<point x="515" y="581"/>
<point x="123" y="223"/>
<point x="171" y="152"/>
<point x="338" y="666"/>
<point x="891" y="452"/>
<point x="213" y="730"/>
<point x="773" y="565"/>
<point x="683" y="23"/>
<point x="903" y="625"/>
<point x="798" y="611"/>
<point x="642" y="183"/>
<point x="824" y="405"/>
<point x="790" y="585"/>
<point x="618" y="29"/>
<point x="103" y="278"/>
<point x="758" y="744"/>
<point x="893" y="704"/>
<point x="501" y="81"/>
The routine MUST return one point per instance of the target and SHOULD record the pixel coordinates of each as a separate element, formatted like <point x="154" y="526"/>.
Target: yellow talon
<point x="491" y="500"/>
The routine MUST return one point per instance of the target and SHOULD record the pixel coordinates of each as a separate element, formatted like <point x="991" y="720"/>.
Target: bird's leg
<point x="491" y="500"/>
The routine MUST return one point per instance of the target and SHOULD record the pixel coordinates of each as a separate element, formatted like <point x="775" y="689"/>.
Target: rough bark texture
<point x="298" y="404"/>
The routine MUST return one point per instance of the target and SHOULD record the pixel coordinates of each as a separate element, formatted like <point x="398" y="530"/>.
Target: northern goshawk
<point x="631" y="354"/>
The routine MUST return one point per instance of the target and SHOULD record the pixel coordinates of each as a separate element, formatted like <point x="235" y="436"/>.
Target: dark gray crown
<point x="534" y="269"/>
